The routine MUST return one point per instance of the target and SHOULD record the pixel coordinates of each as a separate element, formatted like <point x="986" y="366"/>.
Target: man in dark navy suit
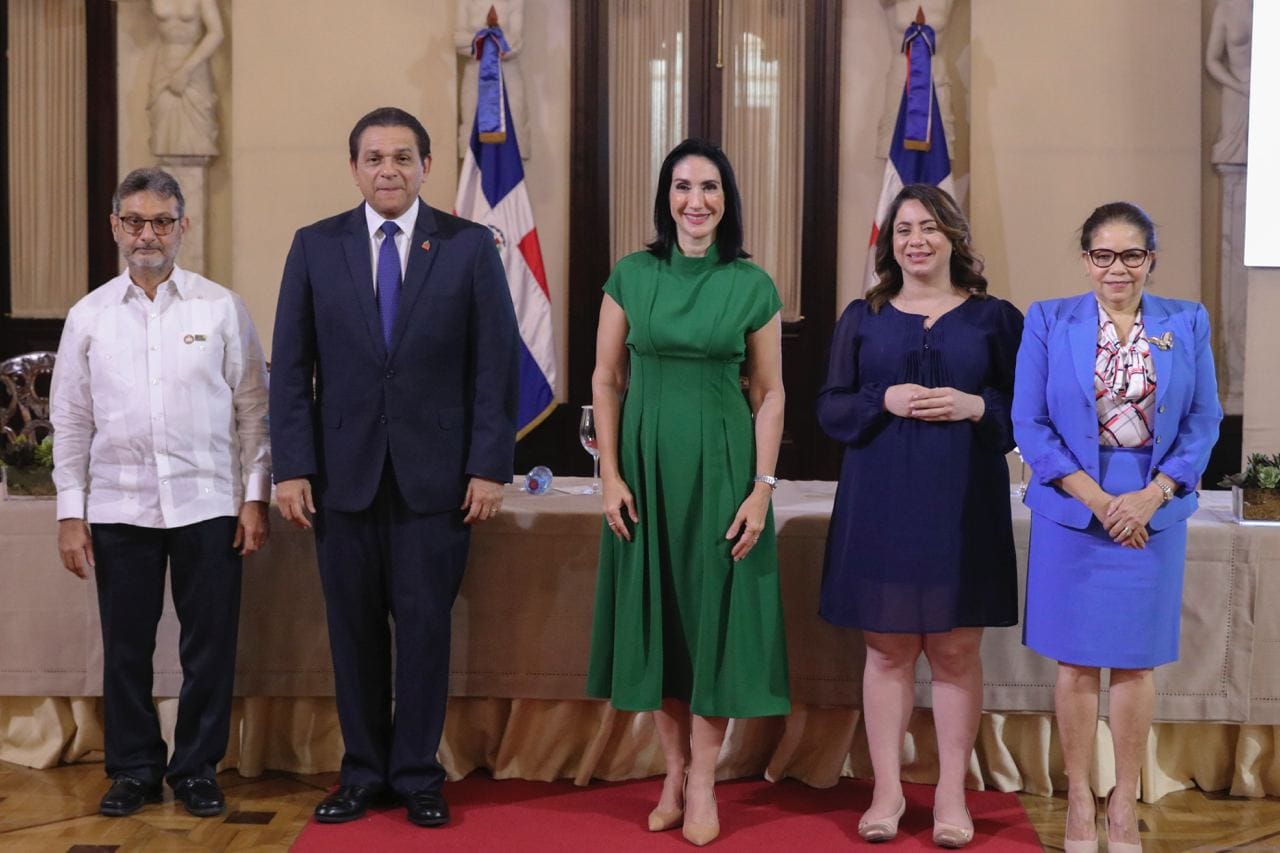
<point x="393" y="406"/>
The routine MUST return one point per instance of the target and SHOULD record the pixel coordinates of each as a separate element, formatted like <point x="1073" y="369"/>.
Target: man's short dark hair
<point x="150" y="180"/>
<point x="389" y="117"/>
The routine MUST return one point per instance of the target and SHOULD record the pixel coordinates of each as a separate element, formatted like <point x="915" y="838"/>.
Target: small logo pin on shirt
<point x="190" y="339"/>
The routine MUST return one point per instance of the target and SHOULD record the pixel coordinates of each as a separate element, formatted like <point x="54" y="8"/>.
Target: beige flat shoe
<point x="951" y="836"/>
<point x="884" y="829"/>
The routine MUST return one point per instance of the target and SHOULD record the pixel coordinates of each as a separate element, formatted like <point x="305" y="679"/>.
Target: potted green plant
<point x="1255" y="492"/>
<point x="28" y="467"/>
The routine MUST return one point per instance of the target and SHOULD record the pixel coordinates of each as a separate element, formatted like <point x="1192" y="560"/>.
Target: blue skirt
<point x="1091" y="602"/>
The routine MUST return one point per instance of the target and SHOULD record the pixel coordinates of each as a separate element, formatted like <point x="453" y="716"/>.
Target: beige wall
<point x="300" y="80"/>
<point x="868" y="49"/>
<point x="1092" y="114"/>
<point x="294" y="75"/>
<point x="1262" y="357"/>
<point x="1033" y="159"/>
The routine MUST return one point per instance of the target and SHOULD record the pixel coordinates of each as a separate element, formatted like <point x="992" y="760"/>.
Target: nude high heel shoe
<point x="884" y="829"/>
<point x="1081" y="845"/>
<point x="1117" y="846"/>
<point x="700" y="834"/>
<point x="661" y="820"/>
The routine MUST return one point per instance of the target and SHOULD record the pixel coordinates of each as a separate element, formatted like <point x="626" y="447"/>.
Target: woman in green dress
<point x="688" y="619"/>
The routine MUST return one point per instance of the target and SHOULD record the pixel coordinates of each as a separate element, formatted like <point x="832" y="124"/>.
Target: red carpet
<point x="754" y="815"/>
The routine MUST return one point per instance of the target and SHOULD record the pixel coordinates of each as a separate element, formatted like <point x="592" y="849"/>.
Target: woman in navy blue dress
<point x="920" y="551"/>
<point x="1116" y="410"/>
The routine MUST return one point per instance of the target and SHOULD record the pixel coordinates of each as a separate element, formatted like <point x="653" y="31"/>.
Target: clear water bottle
<point x="538" y="480"/>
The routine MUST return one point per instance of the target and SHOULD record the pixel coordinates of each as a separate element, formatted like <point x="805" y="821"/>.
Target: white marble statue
<point x="182" y="103"/>
<point x="901" y="14"/>
<point x="1227" y="61"/>
<point x="472" y="16"/>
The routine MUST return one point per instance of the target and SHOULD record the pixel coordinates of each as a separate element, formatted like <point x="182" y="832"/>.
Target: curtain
<point x="48" y="240"/>
<point x="648" y="109"/>
<point x="764" y="132"/>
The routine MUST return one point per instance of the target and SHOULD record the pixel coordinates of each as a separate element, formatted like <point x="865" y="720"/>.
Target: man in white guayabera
<point x="162" y="461"/>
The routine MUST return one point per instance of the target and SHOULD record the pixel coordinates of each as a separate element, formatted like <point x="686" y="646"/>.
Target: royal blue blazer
<point x="1055" y="419"/>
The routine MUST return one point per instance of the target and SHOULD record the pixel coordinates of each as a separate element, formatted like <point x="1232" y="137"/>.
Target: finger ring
<point x="1126" y="531"/>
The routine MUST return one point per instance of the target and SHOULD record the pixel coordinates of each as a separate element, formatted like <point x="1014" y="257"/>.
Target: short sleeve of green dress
<point x="675" y="616"/>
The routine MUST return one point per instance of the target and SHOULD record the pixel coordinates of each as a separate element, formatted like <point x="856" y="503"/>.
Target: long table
<point x="522" y="620"/>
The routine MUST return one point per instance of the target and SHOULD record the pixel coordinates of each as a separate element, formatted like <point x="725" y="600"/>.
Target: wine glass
<point x="587" y="435"/>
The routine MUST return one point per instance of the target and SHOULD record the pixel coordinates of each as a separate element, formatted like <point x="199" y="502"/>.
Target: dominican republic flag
<point x="491" y="191"/>
<point x="918" y="153"/>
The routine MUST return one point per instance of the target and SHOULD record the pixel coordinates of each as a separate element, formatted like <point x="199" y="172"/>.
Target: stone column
<point x="192" y="173"/>
<point x="1233" y="284"/>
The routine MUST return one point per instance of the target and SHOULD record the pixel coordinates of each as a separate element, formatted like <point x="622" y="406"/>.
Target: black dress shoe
<point x="127" y="795"/>
<point x="201" y="797"/>
<point x="349" y="802"/>
<point x="427" y="808"/>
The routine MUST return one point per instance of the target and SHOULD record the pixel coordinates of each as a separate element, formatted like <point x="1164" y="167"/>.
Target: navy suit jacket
<point x="441" y="402"/>
<point x="1055" y="419"/>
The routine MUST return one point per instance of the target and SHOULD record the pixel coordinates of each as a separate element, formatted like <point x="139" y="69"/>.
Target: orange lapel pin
<point x="426" y="245"/>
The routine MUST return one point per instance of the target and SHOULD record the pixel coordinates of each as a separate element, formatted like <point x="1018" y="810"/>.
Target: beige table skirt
<point x="545" y="739"/>
<point x="521" y="629"/>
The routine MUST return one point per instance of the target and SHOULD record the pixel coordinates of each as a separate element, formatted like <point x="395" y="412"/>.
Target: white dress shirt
<point x="159" y="409"/>
<point x="406" y="221"/>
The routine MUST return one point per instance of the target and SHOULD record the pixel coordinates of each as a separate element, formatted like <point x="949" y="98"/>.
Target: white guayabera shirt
<point x="159" y="409"/>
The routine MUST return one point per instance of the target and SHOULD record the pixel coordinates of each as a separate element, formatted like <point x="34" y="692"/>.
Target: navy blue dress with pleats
<point x="921" y="539"/>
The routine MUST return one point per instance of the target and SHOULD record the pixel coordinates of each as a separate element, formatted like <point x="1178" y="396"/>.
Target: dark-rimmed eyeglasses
<point x="161" y="226"/>
<point x="1131" y="258"/>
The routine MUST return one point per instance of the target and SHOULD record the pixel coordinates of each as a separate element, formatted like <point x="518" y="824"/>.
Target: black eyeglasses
<point x="161" y="226"/>
<point x="1131" y="258"/>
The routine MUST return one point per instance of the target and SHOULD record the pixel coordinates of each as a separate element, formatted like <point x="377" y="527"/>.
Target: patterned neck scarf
<point x="1124" y="380"/>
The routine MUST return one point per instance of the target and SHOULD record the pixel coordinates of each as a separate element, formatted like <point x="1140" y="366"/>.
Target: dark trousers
<point x="204" y="574"/>
<point x="388" y="561"/>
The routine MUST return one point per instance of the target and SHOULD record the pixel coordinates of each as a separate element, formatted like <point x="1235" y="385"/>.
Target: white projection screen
<point x="1262" y="187"/>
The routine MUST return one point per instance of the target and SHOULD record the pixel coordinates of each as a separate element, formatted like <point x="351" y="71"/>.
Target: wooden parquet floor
<point x="56" y="811"/>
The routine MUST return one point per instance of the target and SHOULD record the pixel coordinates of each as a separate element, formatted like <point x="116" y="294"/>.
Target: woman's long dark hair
<point x="728" y="232"/>
<point x="966" y="265"/>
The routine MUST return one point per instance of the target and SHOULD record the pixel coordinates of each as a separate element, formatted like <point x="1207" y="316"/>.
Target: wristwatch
<point x="771" y="482"/>
<point x="1165" y="490"/>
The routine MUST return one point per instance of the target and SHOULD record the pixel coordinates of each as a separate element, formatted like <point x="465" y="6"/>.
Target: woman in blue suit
<point x="1115" y="410"/>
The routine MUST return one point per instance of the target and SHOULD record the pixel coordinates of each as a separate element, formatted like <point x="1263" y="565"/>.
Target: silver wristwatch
<point x="771" y="482"/>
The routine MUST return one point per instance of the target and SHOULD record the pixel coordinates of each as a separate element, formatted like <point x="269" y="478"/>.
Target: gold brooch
<point x="1165" y="341"/>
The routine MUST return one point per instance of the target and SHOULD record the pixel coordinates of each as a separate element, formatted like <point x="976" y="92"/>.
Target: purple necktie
<point x="388" y="280"/>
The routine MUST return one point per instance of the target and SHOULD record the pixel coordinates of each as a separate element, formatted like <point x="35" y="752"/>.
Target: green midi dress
<point x="675" y="616"/>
